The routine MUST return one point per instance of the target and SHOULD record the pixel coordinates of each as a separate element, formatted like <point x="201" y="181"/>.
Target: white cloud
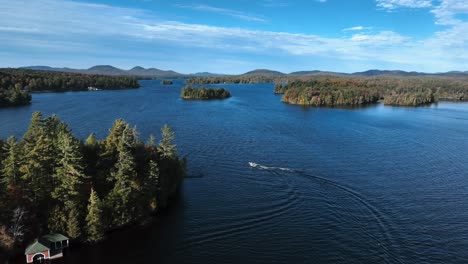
<point x="381" y="39"/>
<point x="446" y="13"/>
<point x="394" y="4"/>
<point x="101" y="27"/>
<point x="225" y="11"/>
<point x="356" y="28"/>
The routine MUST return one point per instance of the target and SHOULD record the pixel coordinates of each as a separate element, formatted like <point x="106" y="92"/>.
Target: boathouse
<point x="46" y="248"/>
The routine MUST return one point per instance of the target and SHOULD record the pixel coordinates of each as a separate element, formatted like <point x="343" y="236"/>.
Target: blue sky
<point x="237" y="36"/>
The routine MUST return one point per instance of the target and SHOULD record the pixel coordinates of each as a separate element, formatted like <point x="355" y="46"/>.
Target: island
<point x="203" y="93"/>
<point x="17" y="84"/>
<point x="336" y="91"/>
<point x="167" y="82"/>
<point x="53" y="182"/>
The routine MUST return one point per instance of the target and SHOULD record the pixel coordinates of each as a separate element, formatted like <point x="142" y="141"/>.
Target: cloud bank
<point x="77" y="26"/>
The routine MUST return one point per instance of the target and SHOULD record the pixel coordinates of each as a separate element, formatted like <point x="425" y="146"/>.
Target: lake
<point x="375" y="184"/>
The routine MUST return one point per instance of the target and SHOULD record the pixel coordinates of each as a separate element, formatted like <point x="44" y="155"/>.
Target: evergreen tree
<point x="91" y="141"/>
<point x="37" y="169"/>
<point x="73" y="223"/>
<point x="112" y="141"/>
<point x="49" y="166"/>
<point x="69" y="173"/>
<point x="91" y="156"/>
<point x="152" y="140"/>
<point x="10" y="165"/>
<point x="151" y="185"/>
<point x="166" y="146"/>
<point x="31" y="134"/>
<point x="122" y="196"/>
<point x="57" y="221"/>
<point x="94" y="220"/>
<point x="109" y="156"/>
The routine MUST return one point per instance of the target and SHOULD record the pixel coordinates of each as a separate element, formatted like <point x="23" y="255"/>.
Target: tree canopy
<point x="17" y="84"/>
<point x="203" y="93"/>
<point x="327" y="91"/>
<point x="83" y="188"/>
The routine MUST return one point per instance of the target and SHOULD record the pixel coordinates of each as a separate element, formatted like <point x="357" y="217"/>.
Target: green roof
<point x="44" y="242"/>
<point x="55" y="237"/>
<point x="35" y="247"/>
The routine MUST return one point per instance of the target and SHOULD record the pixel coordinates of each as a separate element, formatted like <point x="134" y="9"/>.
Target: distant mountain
<point x="47" y="68"/>
<point x="207" y="74"/>
<point x="105" y="70"/>
<point x="389" y="73"/>
<point x="410" y="74"/>
<point x="157" y="73"/>
<point x="312" y="73"/>
<point x="140" y="71"/>
<point x="264" y="72"/>
<point x="111" y="70"/>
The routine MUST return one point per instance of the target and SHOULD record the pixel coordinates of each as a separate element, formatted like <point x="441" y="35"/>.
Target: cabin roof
<point x="36" y="247"/>
<point x="55" y="237"/>
<point x="42" y="244"/>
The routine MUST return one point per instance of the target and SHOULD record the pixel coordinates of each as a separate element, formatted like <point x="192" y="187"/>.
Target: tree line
<point x="16" y="84"/>
<point x="203" y="93"/>
<point x="327" y="91"/>
<point x="50" y="181"/>
<point x="234" y="79"/>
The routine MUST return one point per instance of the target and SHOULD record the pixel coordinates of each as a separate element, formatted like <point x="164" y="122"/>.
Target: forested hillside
<point x="15" y="84"/>
<point x="50" y="181"/>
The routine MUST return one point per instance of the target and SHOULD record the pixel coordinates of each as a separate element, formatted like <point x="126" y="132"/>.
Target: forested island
<point x="326" y="91"/>
<point x="235" y="79"/>
<point x="167" y="82"/>
<point x="17" y="84"/>
<point x="50" y="181"/>
<point x="334" y="90"/>
<point x="202" y="93"/>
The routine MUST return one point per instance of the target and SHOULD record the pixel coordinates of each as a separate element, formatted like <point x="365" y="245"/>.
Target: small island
<point x="203" y="93"/>
<point x="52" y="182"/>
<point x="167" y="82"/>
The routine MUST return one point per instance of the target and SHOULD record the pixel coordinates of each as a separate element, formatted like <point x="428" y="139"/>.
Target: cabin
<point x="46" y="248"/>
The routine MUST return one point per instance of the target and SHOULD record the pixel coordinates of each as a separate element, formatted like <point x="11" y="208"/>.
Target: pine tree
<point x="37" y="169"/>
<point x="166" y="146"/>
<point x="73" y="223"/>
<point x="69" y="173"/>
<point x="151" y="141"/>
<point x="31" y="134"/>
<point x="152" y="185"/>
<point x="114" y="138"/>
<point x="94" y="220"/>
<point x="10" y="165"/>
<point x="122" y="196"/>
<point x="109" y="155"/>
<point x="57" y="221"/>
<point x="91" y="141"/>
<point x="91" y="156"/>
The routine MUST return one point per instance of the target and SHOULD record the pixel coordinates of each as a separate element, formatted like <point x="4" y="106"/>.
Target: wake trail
<point x="376" y="214"/>
<point x="263" y="167"/>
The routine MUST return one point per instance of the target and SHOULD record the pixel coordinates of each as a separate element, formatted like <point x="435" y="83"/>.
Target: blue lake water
<point x="366" y="185"/>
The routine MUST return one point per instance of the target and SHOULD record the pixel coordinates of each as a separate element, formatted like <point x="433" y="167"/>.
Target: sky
<point x="236" y="36"/>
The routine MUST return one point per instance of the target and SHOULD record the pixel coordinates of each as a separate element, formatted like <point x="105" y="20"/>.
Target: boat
<point x="253" y="164"/>
<point x="91" y="88"/>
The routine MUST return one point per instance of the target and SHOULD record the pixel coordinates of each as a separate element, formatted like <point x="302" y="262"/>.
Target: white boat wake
<point x="261" y="167"/>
